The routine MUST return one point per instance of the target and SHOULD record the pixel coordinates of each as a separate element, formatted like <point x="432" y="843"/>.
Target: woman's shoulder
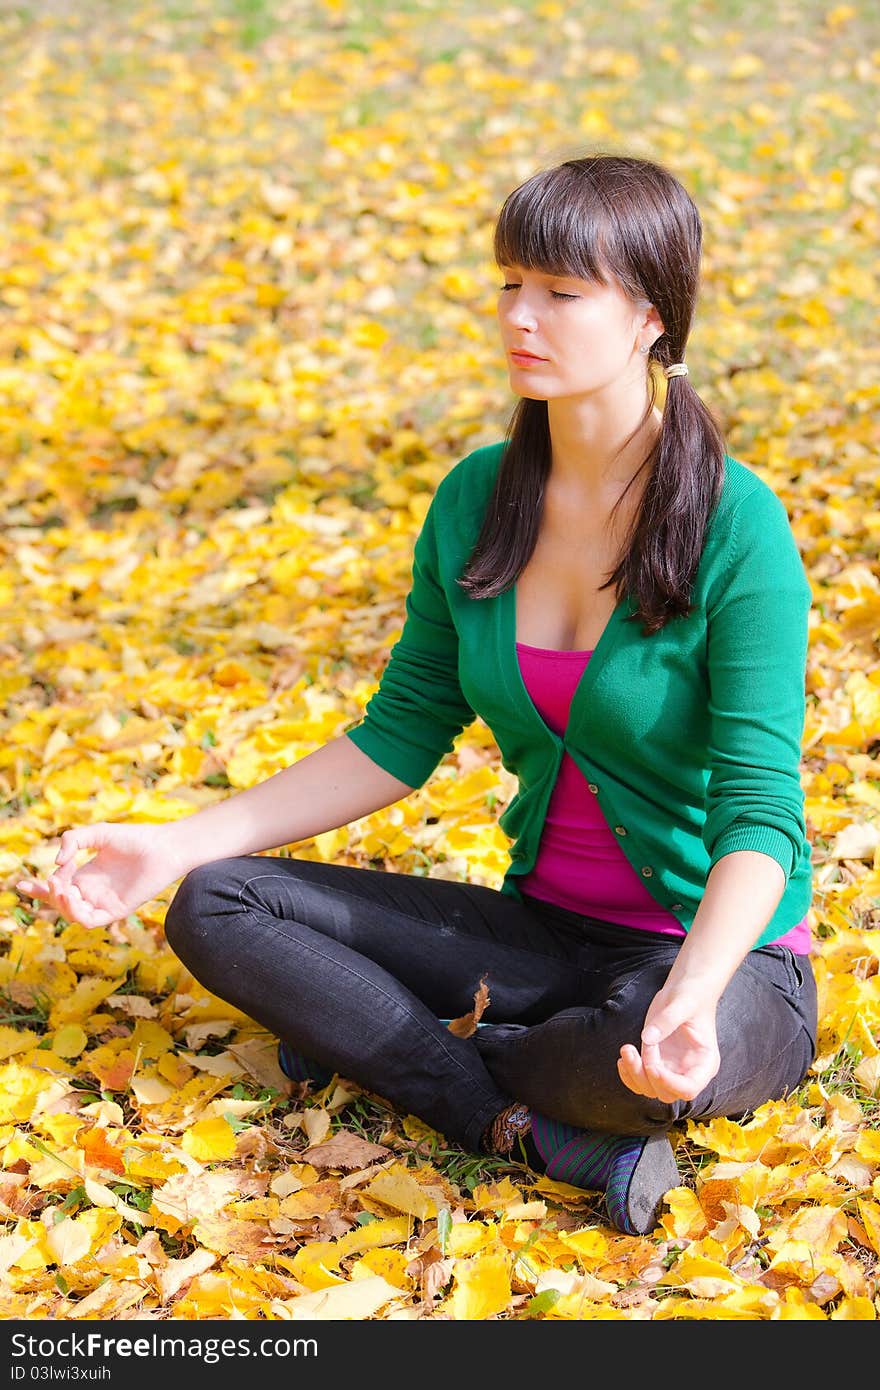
<point x="750" y="533"/>
<point x="746" y="501"/>
<point x="474" y="473"/>
<point x="464" y="491"/>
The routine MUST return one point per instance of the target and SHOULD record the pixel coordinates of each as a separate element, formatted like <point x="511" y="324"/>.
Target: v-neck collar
<point x="608" y="639"/>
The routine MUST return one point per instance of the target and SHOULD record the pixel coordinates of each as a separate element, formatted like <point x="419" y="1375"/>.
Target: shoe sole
<point x="653" y="1176"/>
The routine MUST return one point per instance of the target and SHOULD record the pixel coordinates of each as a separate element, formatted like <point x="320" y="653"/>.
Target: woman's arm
<point x="679" y="1049"/>
<point x="332" y="786"/>
<point x="409" y="724"/>
<point x="742" y="892"/>
<point x="135" y="862"/>
<point x="754" y="831"/>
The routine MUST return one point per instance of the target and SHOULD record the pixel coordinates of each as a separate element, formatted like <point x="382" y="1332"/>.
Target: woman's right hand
<point x="131" y="865"/>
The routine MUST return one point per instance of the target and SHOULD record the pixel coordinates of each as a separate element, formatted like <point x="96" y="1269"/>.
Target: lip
<point x="520" y="355"/>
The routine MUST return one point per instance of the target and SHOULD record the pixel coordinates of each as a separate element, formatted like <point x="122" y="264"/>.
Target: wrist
<point x="699" y="984"/>
<point x="178" y="846"/>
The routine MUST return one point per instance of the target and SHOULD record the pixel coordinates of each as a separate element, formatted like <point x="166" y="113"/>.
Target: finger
<point x="665" y="1082"/>
<point x="81" y="837"/>
<point x="32" y="888"/>
<point x="63" y="876"/>
<point x="631" y="1071"/>
<point x="83" y="912"/>
<point x="70" y="843"/>
<point x="669" y="1084"/>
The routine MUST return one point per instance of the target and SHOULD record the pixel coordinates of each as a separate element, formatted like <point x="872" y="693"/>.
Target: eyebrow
<point x="545" y="274"/>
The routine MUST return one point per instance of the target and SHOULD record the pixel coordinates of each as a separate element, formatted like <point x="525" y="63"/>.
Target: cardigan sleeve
<point x="418" y="710"/>
<point x="757" y="650"/>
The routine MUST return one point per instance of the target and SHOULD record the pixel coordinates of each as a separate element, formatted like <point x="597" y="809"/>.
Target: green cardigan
<point x="690" y="738"/>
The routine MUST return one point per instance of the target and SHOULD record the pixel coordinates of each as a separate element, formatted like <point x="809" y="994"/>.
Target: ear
<point x="652" y="325"/>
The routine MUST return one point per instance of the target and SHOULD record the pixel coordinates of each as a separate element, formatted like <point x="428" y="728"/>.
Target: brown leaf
<point x="345" y="1152"/>
<point x="466" y="1026"/>
<point x="228" y="1236"/>
<point x="260" y="1059"/>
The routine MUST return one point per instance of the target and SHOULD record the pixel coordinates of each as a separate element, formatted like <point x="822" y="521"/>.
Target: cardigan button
<point x="647" y="871"/>
<point x="676" y="907"/>
<point x="593" y="788"/>
<point x="620" y="829"/>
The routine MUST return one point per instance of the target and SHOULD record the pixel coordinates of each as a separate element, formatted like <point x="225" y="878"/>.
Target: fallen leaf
<point x="344" y="1151"/>
<point x="466" y="1025"/>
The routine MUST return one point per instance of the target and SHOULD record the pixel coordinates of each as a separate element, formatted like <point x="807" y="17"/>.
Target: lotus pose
<point x="624" y="605"/>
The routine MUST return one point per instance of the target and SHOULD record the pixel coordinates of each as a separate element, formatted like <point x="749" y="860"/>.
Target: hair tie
<point x="677" y="369"/>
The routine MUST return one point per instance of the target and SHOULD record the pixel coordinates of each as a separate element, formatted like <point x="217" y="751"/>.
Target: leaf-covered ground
<point x="246" y="326"/>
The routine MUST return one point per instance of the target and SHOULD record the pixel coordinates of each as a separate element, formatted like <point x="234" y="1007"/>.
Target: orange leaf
<point x="466" y="1026"/>
<point x="99" y="1152"/>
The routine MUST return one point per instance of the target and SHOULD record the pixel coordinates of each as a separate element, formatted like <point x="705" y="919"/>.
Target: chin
<point x="531" y="393"/>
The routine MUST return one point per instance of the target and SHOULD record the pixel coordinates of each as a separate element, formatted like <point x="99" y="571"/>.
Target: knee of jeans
<point x="614" y="1109"/>
<point x="191" y="914"/>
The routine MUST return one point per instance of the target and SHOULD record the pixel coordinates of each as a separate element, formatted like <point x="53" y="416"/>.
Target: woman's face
<point x="569" y="337"/>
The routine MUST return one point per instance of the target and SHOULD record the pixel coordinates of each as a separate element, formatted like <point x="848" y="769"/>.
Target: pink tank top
<point x="580" y="864"/>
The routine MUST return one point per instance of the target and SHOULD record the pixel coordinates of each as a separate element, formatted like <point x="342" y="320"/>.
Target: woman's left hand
<point x="679" y="1049"/>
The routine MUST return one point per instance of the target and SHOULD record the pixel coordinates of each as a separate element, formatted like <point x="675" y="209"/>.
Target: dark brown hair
<point x="612" y="217"/>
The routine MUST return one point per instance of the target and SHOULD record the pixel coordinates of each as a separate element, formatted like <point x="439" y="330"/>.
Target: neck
<point x="599" y="442"/>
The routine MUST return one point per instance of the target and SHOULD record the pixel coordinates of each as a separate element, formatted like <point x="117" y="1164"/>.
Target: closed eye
<point x="554" y="294"/>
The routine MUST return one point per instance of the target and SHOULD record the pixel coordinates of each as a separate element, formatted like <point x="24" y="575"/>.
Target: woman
<point x="624" y="606"/>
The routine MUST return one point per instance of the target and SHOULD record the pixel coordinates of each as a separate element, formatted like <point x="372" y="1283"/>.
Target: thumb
<point x="659" y="1023"/>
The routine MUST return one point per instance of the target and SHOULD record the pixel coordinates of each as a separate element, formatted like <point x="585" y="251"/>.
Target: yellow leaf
<point x="482" y="1287"/>
<point x="684" y="1217"/>
<point x="14" y="1040"/>
<point x="704" y="1278"/>
<point x="416" y="1130"/>
<point x="867" y="1073"/>
<point x="352" y="1302"/>
<point x="498" y="1196"/>
<point x="101" y="1196"/>
<point x="869" y="1215"/>
<point x="397" y="1188"/>
<point x="149" y="1090"/>
<point x="20" y="1088"/>
<point x="394" y="1230"/>
<point x="388" y="1264"/>
<point x="69" y="1041"/>
<point x="210" y="1141"/>
<point x="74" y="1237"/>
<point x="868" y="1146"/>
<point x="796" y="1307"/>
<point x="176" y="1273"/>
<point x="369" y="335"/>
<point x="316" y="1123"/>
<point x="90" y="991"/>
<point x="12" y="1248"/>
<point x="589" y="1244"/>
<point x="822" y="1227"/>
<point x="61" y="1129"/>
<point x="858" y="1309"/>
<point x="313" y="1265"/>
<point x="467" y="1237"/>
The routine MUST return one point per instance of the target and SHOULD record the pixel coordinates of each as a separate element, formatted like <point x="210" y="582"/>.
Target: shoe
<point x="635" y="1210"/>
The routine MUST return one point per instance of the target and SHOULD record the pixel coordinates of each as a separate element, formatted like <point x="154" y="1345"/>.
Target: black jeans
<point x="356" y="967"/>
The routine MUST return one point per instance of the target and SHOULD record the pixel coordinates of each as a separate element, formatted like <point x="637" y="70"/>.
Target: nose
<point x="520" y="314"/>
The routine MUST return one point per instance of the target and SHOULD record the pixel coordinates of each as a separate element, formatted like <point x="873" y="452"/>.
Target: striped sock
<point x="604" y="1162"/>
<point x="297" y="1067"/>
